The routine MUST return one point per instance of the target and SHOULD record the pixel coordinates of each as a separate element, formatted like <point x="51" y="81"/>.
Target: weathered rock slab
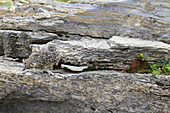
<point x="17" y="44"/>
<point x="115" y="53"/>
<point x="95" y="20"/>
<point x="92" y="91"/>
<point x="101" y="36"/>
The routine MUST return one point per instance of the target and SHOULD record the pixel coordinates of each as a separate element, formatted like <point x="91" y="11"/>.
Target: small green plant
<point x="144" y="58"/>
<point x="158" y="68"/>
<point x="161" y="68"/>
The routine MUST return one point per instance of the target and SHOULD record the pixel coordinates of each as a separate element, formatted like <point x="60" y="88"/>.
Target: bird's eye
<point x="51" y="48"/>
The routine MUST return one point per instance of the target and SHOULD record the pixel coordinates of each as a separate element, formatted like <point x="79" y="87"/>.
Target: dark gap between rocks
<point x="66" y="34"/>
<point x="40" y="42"/>
<point x="93" y="109"/>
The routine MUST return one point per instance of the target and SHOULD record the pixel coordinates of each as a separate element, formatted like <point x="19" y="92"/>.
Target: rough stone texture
<point x="16" y="46"/>
<point x="83" y="27"/>
<point x="93" y="91"/>
<point x="1" y="46"/>
<point x="93" y="35"/>
<point x="95" y="20"/>
<point x="116" y="53"/>
<point x="18" y="43"/>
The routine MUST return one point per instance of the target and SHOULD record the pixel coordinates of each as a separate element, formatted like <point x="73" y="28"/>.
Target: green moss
<point x="143" y="70"/>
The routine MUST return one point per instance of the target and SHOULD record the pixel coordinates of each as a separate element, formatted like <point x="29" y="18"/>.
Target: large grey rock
<point x="115" y="53"/>
<point x="18" y="43"/>
<point x="100" y="21"/>
<point x="87" y="92"/>
<point x="87" y="35"/>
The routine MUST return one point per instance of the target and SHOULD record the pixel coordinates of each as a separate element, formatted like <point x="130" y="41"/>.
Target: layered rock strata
<point x="115" y="53"/>
<point x="87" y="92"/>
<point x="98" y="40"/>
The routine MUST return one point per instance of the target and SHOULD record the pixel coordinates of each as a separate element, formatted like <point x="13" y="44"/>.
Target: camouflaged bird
<point x="43" y="59"/>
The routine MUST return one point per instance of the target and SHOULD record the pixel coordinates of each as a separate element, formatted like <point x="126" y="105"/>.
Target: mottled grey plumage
<point x="43" y="59"/>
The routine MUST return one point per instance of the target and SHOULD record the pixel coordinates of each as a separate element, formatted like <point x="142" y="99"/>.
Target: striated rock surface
<point x="18" y="43"/>
<point x="133" y="18"/>
<point x="87" y="92"/>
<point x="116" y="53"/>
<point x="96" y="40"/>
